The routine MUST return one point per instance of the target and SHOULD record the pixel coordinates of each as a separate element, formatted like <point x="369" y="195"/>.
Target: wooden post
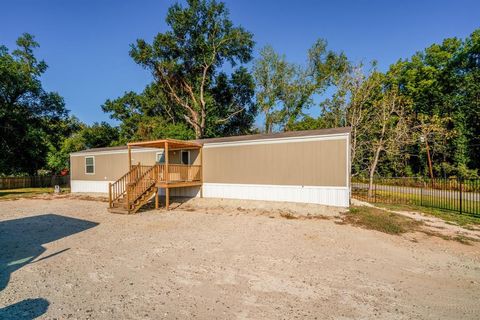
<point x="167" y="191"/>
<point x="156" y="199"/>
<point x="167" y="197"/>
<point x="201" y="172"/>
<point x="109" y="194"/>
<point x="129" y="158"/>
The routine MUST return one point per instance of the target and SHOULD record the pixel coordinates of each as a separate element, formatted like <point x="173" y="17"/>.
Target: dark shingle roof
<point x="288" y="134"/>
<point x="261" y="136"/>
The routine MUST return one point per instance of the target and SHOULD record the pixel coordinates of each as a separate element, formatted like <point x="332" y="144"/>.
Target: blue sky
<point x="86" y="42"/>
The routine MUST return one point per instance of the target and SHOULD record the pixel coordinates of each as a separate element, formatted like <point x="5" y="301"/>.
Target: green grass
<point x="380" y="220"/>
<point x="434" y="204"/>
<point x="373" y="218"/>
<point x="449" y="216"/>
<point x="9" y="194"/>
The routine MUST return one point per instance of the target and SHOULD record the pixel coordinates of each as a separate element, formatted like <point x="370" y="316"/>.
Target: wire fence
<point x="34" y="182"/>
<point x="457" y="195"/>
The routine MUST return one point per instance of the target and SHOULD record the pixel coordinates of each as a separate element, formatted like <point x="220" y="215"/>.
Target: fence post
<point x="460" y="196"/>
<point x="375" y="191"/>
<point x="421" y="195"/>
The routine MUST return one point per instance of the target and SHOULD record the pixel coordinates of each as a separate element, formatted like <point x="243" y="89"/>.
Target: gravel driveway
<point x="71" y="259"/>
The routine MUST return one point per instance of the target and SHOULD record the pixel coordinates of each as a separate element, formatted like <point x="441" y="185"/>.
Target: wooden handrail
<point x="136" y="189"/>
<point x="119" y="187"/>
<point x="179" y="173"/>
<point x="141" y="178"/>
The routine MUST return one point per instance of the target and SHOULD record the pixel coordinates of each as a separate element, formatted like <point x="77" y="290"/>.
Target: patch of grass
<point x="380" y="220"/>
<point x="436" y="201"/>
<point x="464" y="239"/>
<point x="288" y="215"/>
<point x="453" y="217"/>
<point x="10" y="194"/>
<point x="459" y="238"/>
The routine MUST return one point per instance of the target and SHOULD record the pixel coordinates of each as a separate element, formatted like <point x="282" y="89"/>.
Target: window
<point x="90" y="165"/>
<point x="185" y="157"/>
<point x="160" y="157"/>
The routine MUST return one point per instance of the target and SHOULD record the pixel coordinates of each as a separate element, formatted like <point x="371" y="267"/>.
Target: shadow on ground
<point x="25" y="310"/>
<point x="21" y="242"/>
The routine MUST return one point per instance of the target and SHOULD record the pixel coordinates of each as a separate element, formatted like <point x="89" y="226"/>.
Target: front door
<point x="185" y="157"/>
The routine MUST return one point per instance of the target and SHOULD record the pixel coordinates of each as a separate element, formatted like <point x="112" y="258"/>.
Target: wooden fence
<point x="34" y="182"/>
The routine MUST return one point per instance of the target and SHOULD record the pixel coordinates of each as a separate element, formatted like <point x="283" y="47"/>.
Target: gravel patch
<point x="69" y="258"/>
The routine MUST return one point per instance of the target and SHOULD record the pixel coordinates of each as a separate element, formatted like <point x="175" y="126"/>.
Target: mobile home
<point x="303" y="166"/>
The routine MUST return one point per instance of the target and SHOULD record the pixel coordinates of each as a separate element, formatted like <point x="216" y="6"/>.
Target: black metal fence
<point x="34" y="182"/>
<point x="458" y="195"/>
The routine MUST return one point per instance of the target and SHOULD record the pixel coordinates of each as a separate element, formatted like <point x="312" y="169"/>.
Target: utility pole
<point x="429" y="159"/>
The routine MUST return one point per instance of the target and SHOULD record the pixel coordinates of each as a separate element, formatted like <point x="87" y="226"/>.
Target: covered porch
<point x="175" y="167"/>
<point x="178" y="164"/>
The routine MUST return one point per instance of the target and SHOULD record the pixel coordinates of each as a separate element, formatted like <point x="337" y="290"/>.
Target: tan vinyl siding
<point x="111" y="166"/>
<point x="308" y="163"/>
<point x="108" y="167"/>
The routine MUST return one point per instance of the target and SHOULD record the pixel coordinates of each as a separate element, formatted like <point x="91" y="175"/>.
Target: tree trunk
<point x="268" y="125"/>
<point x="372" y="170"/>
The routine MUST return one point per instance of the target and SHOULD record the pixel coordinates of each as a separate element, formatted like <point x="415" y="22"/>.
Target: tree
<point x="147" y="116"/>
<point x="270" y="73"/>
<point x="442" y="81"/>
<point x="31" y="119"/>
<point x="95" y="136"/>
<point x="388" y="129"/>
<point x="285" y="90"/>
<point x="185" y="62"/>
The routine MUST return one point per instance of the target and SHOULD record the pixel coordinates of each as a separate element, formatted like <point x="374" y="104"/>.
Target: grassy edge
<point x="24" y="193"/>
<point x="379" y="219"/>
<point x="464" y="220"/>
<point x="372" y="218"/>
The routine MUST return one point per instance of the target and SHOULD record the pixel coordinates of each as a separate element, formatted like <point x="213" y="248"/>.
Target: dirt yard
<point x="71" y="259"/>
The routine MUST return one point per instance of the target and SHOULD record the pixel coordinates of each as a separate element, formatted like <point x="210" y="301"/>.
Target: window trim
<point x="89" y="157"/>
<point x="181" y="157"/>
<point x="156" y="156"/>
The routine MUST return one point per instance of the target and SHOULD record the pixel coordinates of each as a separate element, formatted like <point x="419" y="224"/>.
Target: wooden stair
<point x="133" y="190"/>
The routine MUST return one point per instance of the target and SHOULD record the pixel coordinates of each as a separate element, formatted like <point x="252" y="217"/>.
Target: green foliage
<point x="189" y="88"/>
<point x="285" y="90"/>
<point x="427" y="105"/>
<point x="31" y="118"/>
<point x="439" y="87"/>
<point x="94" y="136"/>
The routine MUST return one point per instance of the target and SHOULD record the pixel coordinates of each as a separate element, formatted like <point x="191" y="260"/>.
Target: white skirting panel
<point x="89" y="186"/>
<point x="332" y="196"/>
<point x="190" y="192"/>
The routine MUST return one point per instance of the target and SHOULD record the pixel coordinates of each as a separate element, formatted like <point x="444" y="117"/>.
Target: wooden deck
<point x="134" y="189"/>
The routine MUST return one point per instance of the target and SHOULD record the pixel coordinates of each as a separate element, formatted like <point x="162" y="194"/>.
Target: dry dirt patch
<point x="80" y="262"/>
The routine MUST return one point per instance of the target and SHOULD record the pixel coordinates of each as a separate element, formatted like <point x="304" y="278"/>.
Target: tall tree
<point x="285" y="90"/>
<point x="31" y="119"/>
<point x="270" y="72"/>
<point x="95" y="136"/>
<point x="185" y="62"/>
<point x="389" y="129"/>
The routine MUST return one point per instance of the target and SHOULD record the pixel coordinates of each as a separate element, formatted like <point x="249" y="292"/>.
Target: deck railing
<point x="141" y="177"/>
<point x="136" y="189"/>
<point x="181" y="173"/>
<point x="119" y="187"/>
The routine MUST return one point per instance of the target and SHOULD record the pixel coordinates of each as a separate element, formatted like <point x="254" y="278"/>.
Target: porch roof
<point x="172" y="143"/>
